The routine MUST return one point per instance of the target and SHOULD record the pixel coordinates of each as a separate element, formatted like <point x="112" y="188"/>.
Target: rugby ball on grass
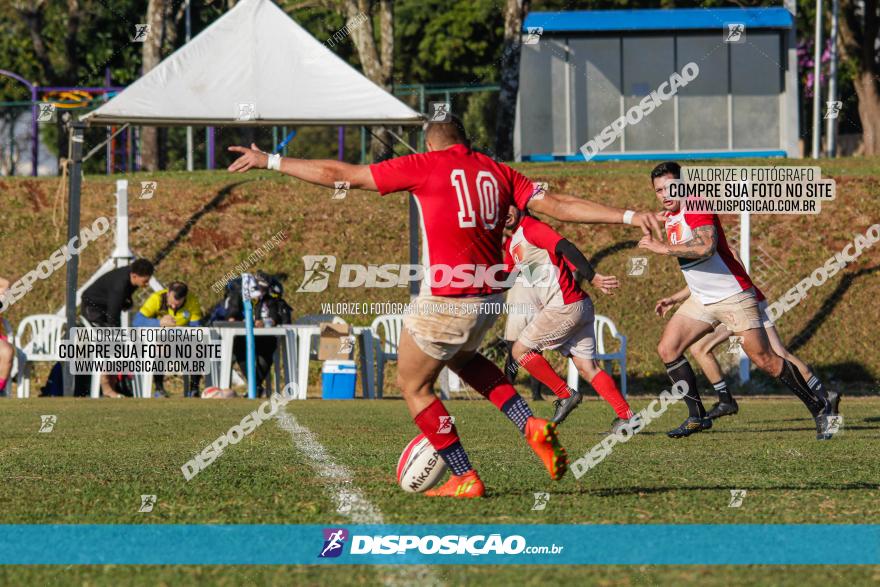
<point x="217" y="393"/>
<point x="420" y="467"/>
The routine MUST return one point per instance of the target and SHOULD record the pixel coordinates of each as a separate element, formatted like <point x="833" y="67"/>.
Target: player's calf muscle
<point x="757" y="347"/>
<point x="588" y="368"/>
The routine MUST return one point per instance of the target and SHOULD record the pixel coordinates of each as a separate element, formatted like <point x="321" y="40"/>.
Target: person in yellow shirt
<point x="171" y="307"/>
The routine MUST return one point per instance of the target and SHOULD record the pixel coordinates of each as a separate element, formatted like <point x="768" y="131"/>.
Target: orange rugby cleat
<point x="464" y="486"/>
<point x="541" y="436"/>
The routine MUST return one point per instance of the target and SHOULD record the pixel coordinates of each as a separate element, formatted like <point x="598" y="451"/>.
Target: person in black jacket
<point x="104" y="301"/>
<point x="270" y="309"/>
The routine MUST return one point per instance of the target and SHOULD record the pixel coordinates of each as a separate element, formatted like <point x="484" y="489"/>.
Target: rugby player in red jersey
<point x="565" y="317"/>
<point x="463" y="197"/>
<point x="721" y="292"/>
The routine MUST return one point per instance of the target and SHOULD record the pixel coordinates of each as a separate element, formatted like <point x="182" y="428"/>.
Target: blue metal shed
<point x="583" y="70"/>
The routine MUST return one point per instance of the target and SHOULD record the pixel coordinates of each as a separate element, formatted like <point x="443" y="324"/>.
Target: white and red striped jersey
<point x="533" y="245"/>
<point x="714" y="278"/>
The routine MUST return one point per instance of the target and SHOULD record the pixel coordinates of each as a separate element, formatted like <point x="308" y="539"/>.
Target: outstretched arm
<point x="701" y="246"/>
<point x="325" y="172"/>
<point x="663" y="305"/>
<point x="576" y="261"/>
<point x="573" y="209"/>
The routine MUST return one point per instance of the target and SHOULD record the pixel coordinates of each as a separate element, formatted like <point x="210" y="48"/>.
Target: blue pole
<point x="286" y="140"/>
<point x="249" y="336"/>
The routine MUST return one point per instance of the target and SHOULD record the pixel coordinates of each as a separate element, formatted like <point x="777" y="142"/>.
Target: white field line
<point x="340" y="483"/>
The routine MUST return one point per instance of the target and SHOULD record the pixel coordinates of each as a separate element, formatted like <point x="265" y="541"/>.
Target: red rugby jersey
<point x="463" y="197"/>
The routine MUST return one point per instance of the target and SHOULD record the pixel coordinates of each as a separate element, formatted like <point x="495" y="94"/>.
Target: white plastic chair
<point x="387" y="330"/>
<point x="46" y="332"/>
<point x="600" y="324"/>
<point x="95" y="382"/>
<point x="307" y="341"/>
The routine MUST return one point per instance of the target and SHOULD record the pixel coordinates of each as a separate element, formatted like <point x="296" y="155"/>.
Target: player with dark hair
<point x="721" y="292"/>
<point x="105" y="299"/>
<point x="565" y="317"/>
<point x="462" y="197"/>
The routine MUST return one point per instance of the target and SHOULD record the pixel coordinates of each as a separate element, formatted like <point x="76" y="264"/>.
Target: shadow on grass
<point x="619" y="491"/>
<point x="608" y="251"/>
<point x="824" y="311"/>
<point x="763" y="430"/>
<point x="581" y="489"/>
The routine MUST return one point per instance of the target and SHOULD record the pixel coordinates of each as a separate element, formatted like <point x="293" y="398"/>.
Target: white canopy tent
<point x="254" y="66"/>
<point x="254" y="54"/>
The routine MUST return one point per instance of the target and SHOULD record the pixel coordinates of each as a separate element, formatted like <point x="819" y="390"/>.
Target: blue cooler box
<point x="338" y="379"/>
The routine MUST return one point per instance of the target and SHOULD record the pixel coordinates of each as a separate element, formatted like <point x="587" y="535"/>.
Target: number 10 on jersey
<point x="487" y="196"/>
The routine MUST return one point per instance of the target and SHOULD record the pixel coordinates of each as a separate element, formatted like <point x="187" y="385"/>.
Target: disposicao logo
<point x="334" y="540"/>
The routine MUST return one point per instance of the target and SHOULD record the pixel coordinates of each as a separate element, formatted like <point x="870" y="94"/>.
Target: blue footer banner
<point x="154" y="544"/>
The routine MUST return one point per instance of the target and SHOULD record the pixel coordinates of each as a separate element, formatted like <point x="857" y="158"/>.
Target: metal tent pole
<point x="831" y="122"/>
<point x="817" y="87"/>
<point x="189" y="130"/>
<point x="75" y="176"/>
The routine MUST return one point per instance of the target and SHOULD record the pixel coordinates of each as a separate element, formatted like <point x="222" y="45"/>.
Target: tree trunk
<point x="514" y="14"/>
<point x="382" y="149"/>
<point x="66" y="73"/>
<point x="858" y="38"/>
<point x="151" y="54"/>
<point x="378" y="63"/>
<point x="869" y="112"/>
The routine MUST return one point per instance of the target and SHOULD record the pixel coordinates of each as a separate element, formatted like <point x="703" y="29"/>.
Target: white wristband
<point x="274" y="162"/>
<point x="628" y="216"/>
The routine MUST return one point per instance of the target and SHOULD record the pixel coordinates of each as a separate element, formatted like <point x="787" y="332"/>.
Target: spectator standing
<point x="104" y="301"/>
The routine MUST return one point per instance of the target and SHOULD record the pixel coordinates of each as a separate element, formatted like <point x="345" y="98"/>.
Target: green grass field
<point x="200" y="225"/>
<point x="102" y="456"/>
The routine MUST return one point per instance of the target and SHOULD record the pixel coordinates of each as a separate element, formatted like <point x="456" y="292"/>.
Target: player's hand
<point x="650" y="244"/>
<point x="4" y="285"/>
<point x="605" y="283"/>
<point x="252" y="158"/>
<point x="663" y="306"/>
<point x="649" y="223"/>
<point x="167" y="321"/>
